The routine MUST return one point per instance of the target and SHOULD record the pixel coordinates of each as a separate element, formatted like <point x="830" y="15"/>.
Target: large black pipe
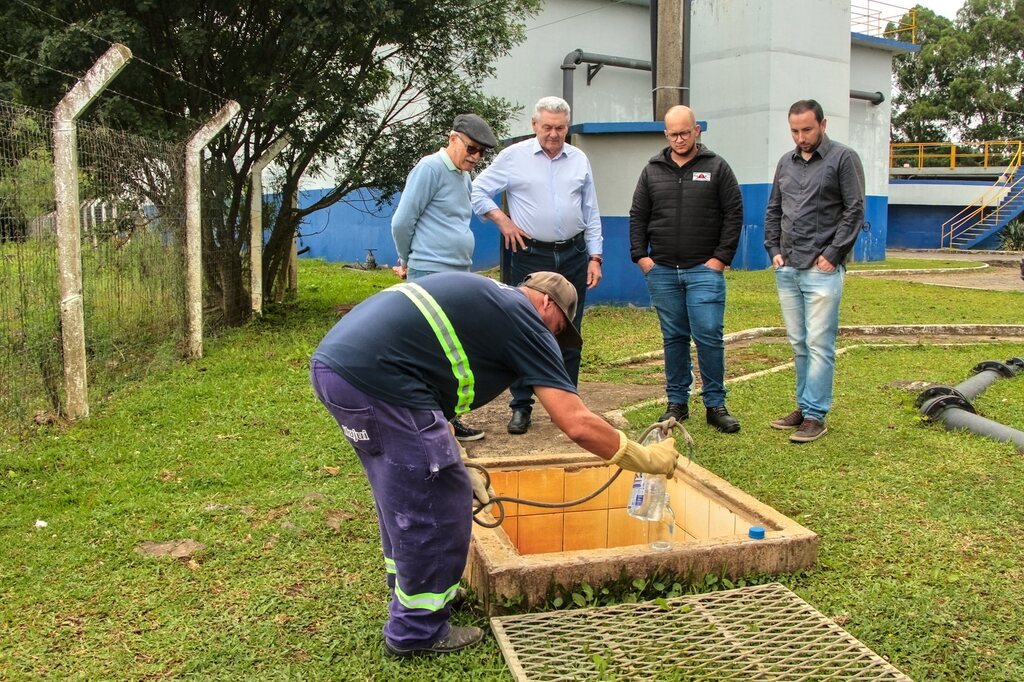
<point x="875" y="98"/>
<point x="952" y="406"/>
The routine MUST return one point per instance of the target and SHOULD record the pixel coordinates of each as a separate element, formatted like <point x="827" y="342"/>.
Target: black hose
<point x="498" y="500"/>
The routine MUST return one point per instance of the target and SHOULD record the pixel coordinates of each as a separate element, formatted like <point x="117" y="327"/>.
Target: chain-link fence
<point x="132" y="234"/>
<point x="30" y="358"/>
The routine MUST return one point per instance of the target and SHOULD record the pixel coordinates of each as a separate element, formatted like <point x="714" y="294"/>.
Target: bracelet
<point x="597" y="259"/>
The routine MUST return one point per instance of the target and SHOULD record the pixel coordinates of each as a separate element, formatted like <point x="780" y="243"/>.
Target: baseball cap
<point x="563" y="294"/>
<point x="476" y="128"/>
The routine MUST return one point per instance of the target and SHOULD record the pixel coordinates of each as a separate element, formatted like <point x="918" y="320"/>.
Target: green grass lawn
<point x="919" y="555"/>
<point x="911" y="264"/>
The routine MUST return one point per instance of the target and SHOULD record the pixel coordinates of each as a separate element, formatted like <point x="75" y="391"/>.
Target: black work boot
<point x="458" y="638"/>
<point x="681" y="412"/>
<point x="720" y="418"/>
<point x="520" y="421"/>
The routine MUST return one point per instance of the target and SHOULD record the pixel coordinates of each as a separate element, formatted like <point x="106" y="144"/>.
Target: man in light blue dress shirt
<point x="555" y="224"/>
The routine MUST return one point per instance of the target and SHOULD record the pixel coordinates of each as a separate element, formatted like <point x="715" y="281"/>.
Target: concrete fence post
<point x="256" y="223"/>
<point x="69" y="246"/>
<point x="193" y="223"/>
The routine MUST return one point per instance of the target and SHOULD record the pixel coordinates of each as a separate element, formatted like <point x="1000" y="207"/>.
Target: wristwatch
<point x="597" y="259"/>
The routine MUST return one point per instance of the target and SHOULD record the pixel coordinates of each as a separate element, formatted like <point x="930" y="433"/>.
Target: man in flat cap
<point x="431" y="223"/>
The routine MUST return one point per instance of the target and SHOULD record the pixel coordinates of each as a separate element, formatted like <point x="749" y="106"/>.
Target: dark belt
<point x="555" y="246"/>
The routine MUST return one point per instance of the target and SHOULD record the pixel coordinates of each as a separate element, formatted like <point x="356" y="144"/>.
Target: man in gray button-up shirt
<point x="815" y="211"/>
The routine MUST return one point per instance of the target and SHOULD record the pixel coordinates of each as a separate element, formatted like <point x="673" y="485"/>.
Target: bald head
<point x="681" y="131"/>
<point x="679" y="117"/>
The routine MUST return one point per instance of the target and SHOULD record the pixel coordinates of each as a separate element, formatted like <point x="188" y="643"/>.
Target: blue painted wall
<point x="920" y="227"/>
<point x="750" y="255"/>
<point x="344" y="232"/>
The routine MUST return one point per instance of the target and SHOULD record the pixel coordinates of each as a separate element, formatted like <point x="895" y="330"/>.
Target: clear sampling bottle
<point x="649" y="501"/>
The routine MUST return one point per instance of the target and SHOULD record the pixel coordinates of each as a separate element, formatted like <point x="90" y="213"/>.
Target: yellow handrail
<point x="866" y="16"/>
<point x="987" y="154"/>
<point x="965" y="219"/>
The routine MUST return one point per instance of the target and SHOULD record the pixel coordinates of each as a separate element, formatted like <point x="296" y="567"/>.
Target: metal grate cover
<point x="754" y="633"/>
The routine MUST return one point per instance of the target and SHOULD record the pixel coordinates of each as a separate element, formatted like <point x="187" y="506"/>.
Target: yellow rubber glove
<point x="657" y="458"/>
<point x="481" y="492"/>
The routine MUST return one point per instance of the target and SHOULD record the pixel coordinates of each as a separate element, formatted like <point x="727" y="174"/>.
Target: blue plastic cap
<point x="756" y="533"/>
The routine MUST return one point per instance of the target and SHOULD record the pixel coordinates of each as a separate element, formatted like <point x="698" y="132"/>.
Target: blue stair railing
<point x="990" y="212"/>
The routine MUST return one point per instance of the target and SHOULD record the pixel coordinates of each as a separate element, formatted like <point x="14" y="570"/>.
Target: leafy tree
<point x="921" y="81"/>
<point x="967" y="83"/>
<point x="363" y="89"/>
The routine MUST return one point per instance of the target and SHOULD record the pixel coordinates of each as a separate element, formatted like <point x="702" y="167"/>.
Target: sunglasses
<point x="472" y="149"/>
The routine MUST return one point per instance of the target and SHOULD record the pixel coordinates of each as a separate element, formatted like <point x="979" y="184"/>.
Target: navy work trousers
<point x="424" y="503"/>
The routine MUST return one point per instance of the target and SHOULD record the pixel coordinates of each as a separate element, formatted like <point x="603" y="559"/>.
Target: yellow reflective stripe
<point x="449" y="340"/>
<point x="431" y="601"/>
<point x="389" y="565"/>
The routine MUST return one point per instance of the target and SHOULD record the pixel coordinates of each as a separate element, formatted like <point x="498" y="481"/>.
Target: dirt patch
<point x="544" y="437"/>
<point x="1001" y="275"/>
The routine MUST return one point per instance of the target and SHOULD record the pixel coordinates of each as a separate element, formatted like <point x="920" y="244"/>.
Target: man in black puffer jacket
<point x="684" y="227"/>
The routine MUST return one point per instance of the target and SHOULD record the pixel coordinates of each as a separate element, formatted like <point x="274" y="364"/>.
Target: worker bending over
<point x="403" y="362"/>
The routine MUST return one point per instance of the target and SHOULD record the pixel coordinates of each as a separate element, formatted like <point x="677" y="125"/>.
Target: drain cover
<point x="753" y="633"/>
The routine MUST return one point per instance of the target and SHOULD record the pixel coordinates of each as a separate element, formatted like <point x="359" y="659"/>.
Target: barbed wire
<point x="135" y="57"/>
<point x="109" y="89"/>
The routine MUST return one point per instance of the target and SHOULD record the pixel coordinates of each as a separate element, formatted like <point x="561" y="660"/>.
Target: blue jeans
<point x="691" y="304"/>
<point x="571" y="263"/>
<point x="810" y="308"/>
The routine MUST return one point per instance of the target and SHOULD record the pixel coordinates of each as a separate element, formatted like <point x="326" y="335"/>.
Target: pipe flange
<point x="995" y="366"/>
<point x="940" y="404"/>
<point x="933" y="392"/>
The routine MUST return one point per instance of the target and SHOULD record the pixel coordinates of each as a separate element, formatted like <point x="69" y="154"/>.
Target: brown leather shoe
<point x="810" y="429"/>
<point x="790" y="421"/>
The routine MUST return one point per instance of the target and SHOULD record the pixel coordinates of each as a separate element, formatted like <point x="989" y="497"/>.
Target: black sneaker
<point x="681" y="411"/>
<point x="458" y="638"/>
<point x="720" y="418"/>
<point x="465" y="433"/>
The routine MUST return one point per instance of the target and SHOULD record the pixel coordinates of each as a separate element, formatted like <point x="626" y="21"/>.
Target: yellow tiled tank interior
<point x="601" y="522"/>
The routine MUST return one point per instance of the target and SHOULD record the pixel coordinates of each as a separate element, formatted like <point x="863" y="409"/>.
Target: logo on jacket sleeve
<point x="702" y="176"/>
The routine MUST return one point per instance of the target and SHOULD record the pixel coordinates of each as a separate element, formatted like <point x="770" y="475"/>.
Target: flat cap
<point x="476" y="128"/>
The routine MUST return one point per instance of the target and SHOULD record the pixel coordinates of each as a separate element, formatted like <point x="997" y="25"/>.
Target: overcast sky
<point x="946" y="8"/>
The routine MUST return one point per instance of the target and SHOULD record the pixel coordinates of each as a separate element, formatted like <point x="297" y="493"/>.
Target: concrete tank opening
<point x="596" y="542"/>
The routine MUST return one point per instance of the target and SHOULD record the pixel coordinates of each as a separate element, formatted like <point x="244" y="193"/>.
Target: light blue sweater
<point x="431" y="224"/>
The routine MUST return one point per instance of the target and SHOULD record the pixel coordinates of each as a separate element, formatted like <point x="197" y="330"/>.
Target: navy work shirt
<point x="388" y="349"/>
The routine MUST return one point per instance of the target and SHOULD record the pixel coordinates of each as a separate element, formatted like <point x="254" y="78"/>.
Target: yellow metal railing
<point x="884" y="20"/>
<point x="991" y="154"/>
<point x="988" y="204"/>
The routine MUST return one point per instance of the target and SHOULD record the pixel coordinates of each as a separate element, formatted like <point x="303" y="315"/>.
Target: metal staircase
<point x="990" y="212"/>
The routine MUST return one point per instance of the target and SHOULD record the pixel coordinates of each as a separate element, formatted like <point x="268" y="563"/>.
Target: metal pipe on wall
<point x="578" y="56"/>
<point x="875" y="98"/>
